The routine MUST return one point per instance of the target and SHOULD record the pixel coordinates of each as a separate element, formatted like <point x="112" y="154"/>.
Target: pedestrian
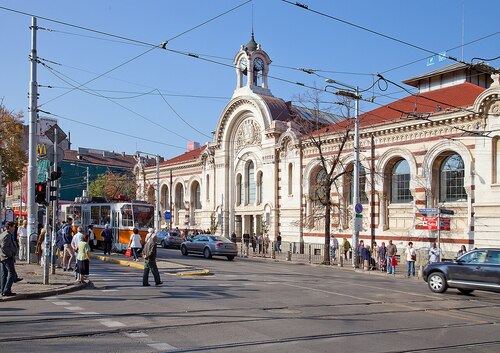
<point x="365" y="255"/>
<point x="151" y="231"/>
<point x="246" y="241"/>
<point x="266" y="243"/>
<point x="149" y="255"/>
<point x="22" y="236"/>
<point x="40" y="247"/>
<point x="382" y="259"/>
<point x="359" y="250"/>
<point x="91" y="234"/>
<point x="67" y="237"/>
<point x="411" y="257"/>
<point x="233" y="237"/>
<point x="8" y="251"/>
<point x="135" y="243"/>
<point x="346" y="246"/>
<point x="260" y="243"/>
<point x="374" y="255"/>
<point x="74" y="244"/>
<point x="278" y="243"/>
<point x="434" y="254"/>
<point x="107" y="236"/>
<point x="391" y="252"/>
<point x="334" y="244"/>
<point x="462" y="251"/>
<point x="254" y="242"/>
<point x="83" y="258"/>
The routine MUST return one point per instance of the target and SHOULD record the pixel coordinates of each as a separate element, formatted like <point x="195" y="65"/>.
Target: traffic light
<point x="55" y="174"/>
<point x="52" y="193"/>
<point x="41" y="193"/>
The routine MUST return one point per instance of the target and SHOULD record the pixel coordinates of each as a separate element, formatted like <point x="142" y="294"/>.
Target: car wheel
<point x="230" y="257"/>
<point x="465" y="291"/>
<point x="184" y="250"/>
<point x="437" y="282"/>
<point x="163" y="244"/>
<point x="207" y="253"/>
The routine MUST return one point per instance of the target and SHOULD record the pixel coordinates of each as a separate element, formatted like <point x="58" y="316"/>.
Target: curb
<point x="48" y="293"/>
<point x="204" y="272"/>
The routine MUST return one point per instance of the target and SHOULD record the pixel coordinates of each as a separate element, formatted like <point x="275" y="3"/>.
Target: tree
<point x="12" y="156"/>
<point x="113" y="186"/>
<point x="322" y="131"/>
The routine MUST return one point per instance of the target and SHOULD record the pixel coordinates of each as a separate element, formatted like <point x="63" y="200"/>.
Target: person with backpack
<point x="107" y="236"/>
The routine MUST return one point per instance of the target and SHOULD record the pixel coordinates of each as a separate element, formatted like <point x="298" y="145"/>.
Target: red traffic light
<point x="40" y="193"/>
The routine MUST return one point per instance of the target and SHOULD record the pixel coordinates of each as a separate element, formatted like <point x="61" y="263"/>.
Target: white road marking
<point x="61" y="303"/>
<point x="329" y="292"/>
<point x="109" y="290"/>
<point x="136" y="334"/>
<point x="88" y="313"/>
<point x="110" y="323"/>
<point x="73" y="308"/>
<point x="161" y="346"/>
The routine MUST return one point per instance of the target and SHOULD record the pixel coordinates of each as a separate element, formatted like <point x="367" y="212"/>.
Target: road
<point x="252" y="306"/>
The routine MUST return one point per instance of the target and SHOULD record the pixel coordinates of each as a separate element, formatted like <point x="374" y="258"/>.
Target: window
<point x="259" y="187"/>
<point x="474" y="257"/>
<point x="451" y="183"/>
<point x="239" y="188"/>
<point x="105" y="215"/>
<point x="496" y="160"/>
<point x="208" y="187"/>
<point x="196" y="195"/>
<point x="251" y="182"/>
<point x="94" y="215"/>
<point x="290" y="179"/>
<point x="179" y="196"/>
<point x="143" y="216"/>
<point x="127" y="217"/>
<point x="362" y="184"/>
<point x="400" y="182"/>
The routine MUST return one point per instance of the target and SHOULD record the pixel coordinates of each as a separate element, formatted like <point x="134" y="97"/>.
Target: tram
<point x="122" y="218"/>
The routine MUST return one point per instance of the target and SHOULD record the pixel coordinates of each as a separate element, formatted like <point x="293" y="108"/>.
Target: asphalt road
<point x="252" y="306"/>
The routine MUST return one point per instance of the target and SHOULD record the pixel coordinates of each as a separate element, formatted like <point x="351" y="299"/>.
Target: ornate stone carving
<point x="248" y="134"/>
<point x="495" y="108"/>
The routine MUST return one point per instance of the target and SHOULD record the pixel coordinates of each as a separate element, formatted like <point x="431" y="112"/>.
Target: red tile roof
<point x="189" y="156"/>
<point x="117" y="160"/>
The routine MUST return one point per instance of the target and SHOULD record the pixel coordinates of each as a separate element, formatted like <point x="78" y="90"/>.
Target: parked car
<point x="209" y="245"/>
<point x="477" y="269"/>
<point x="168" y="239"/>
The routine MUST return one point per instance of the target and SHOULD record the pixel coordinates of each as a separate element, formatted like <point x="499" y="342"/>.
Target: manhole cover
<point x="284" y="311"/>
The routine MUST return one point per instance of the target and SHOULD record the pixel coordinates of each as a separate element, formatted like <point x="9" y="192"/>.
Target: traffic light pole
<point x="54" y="206"/>
<point x="46" y="252"/>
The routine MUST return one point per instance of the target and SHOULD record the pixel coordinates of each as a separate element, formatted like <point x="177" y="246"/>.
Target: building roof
<point x="111" y="159"/>
<point x="189" y="156"/>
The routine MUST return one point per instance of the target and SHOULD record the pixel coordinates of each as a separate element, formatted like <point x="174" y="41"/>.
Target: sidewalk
<point x="32" y="284"/>
<point x="167" y="267"/>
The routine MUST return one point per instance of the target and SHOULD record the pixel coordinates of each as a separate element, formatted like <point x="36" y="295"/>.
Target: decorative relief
<point x="248" y="134"/>
<point x="495" y="108"/>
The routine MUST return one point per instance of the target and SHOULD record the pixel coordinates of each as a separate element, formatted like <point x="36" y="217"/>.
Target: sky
<point x="124" y="95"/>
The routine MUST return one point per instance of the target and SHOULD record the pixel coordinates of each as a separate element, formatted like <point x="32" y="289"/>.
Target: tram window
<point x="94" y="215"/>
<point x="76" y="211"/>
<point x="105" y="214"/>
<point x="127" y="219"/>
<point x="144" y="216"/>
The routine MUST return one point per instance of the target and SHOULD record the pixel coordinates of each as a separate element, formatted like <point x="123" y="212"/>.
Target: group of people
<point x="260" y="243"/>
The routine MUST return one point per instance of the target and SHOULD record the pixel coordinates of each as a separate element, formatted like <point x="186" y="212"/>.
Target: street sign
<point x="428" y="211"/>
<point x="445" y="211"/>
<point x="358" y="208"/>
<point x="168" y="216"/>
<point x="50" y="155"/>
<point x="358" y="224"/>
<point x="51" y="134"/>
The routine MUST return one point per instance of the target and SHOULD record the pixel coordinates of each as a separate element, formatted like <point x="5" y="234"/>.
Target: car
<point x="168" y="239"/>
<point x="209" y="245"/>
<point x="478" y="269"/>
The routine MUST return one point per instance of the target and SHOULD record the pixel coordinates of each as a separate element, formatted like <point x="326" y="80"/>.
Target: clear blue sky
<point x="198" y="90"/>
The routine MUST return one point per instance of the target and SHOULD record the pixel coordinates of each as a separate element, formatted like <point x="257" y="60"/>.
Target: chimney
<point x="192" y="145"/>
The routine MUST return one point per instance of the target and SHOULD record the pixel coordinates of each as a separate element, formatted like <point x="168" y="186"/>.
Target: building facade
<point x="438" y="149"/>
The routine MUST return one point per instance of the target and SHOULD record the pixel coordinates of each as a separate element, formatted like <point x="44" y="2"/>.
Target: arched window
<point x="496" y="160"/>
<point x="208" y="187"/>
<point x="451" y="183"/>
<point x="179" y="196"/>
<point x="400" y="182"/>
<point x="290" y="179"/>
<point x="259" y="187"/>
<point x="196" y="195"/>
<point x="239" y="190"/>
<point x="251" y="183"/>
<point x="362" y="183"/>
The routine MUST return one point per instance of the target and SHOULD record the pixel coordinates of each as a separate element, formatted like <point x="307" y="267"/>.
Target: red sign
<point x="431" y="223"/>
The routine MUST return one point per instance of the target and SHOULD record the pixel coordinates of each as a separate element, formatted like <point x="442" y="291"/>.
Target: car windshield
<point x="219" y="238"/>
<point x="473" y="257"/>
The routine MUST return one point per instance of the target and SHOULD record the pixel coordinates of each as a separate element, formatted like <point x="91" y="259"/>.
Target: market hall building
<point x="258" y="172"/>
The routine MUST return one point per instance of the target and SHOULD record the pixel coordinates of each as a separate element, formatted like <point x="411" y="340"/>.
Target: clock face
<point x="258" y="64"/>
<point x="243" y="65"/>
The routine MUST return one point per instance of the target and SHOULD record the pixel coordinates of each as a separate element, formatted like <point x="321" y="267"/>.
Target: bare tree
<point x="328" y="134"/>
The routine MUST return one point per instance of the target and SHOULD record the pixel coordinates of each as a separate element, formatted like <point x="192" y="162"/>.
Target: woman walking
<point x="83" y="258"/>
<point x="382" y="257"/>
<point x="135" y="243"/>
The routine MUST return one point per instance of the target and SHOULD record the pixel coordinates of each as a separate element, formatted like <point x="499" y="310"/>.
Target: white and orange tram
<point x="122" y="218"/>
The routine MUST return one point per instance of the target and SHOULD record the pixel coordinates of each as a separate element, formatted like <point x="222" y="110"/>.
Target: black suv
<point x="477" y="269"/>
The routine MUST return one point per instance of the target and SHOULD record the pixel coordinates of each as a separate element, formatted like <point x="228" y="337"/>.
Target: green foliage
<point x="12" y="156"/>
<point x="114" y="186"/>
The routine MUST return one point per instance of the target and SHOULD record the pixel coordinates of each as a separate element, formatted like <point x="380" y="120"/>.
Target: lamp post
<point x="353" y="93"/>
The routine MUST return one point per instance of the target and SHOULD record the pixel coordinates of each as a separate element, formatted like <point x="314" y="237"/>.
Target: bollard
<point x="421" y="271"/>
<point x="310" y="254"/>
<point x="289" y="256"/>
<point x="366" y="265"/>
<point x="273" y="253"/>
<point x="341" y="262"/>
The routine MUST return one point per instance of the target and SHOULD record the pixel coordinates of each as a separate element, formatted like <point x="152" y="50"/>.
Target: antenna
<point x="252" y="19"/>
<point x="463" y="27"/>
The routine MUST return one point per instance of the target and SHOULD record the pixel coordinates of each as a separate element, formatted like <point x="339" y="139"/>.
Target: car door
<point x="491" y="270"/>
<point x="468" y="268"/>
<point x="198" y="243"/>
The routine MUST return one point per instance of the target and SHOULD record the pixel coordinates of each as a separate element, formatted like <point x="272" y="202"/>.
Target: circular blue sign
<point x="358" y="208"/>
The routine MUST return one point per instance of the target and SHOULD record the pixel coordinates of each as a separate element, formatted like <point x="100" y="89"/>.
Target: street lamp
<point x="354" y="94"/>
<point x="87" y="178"/>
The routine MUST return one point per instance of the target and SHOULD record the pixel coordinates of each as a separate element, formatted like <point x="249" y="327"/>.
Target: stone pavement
<point x="32" y="284"/>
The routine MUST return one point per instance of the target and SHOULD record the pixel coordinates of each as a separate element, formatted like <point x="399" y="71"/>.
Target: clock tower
<point x="252" y="67"/>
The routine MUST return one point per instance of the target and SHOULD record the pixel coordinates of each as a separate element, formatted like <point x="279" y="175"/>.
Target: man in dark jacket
<point x="8" y="250"/>
<point x="107" y="237"/>
<point x="149" y="255"/>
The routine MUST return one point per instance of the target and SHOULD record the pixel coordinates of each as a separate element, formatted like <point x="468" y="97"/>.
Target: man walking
<point x="8" y="250"/>
<point x="149" y="255"/>
<point x="434" y="254"/>
<point x="22" y="236"/>
<point x="278" y="243"/>
<point x="107" y="236"/>
<point x="67" y="233"/>
<point x="391" y="251"/>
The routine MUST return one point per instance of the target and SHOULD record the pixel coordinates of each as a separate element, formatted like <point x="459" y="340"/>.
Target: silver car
<point x="209" y="245"/>
<point x="168" y="239"/>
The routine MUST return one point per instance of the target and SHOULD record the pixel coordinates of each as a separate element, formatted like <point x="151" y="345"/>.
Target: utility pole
<point x="54" y="204"/>
<point x="157" y="213"/>
<point x="87" y="181"/>
<point x="33" y="108"/>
